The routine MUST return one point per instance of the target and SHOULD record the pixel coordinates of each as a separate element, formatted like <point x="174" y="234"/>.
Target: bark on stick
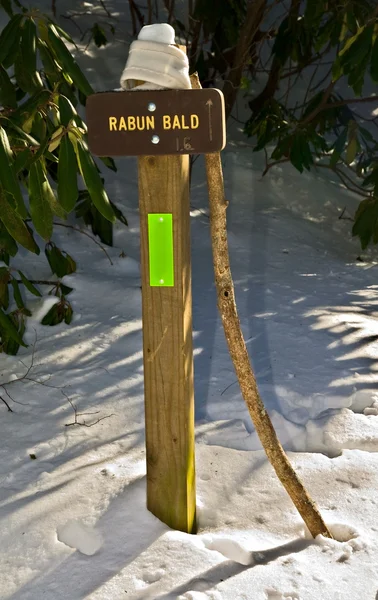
<point x="239" y="354"/>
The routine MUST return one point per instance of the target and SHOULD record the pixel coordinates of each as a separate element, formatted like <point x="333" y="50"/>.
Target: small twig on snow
<point x="6" y="404"/>
<point x="77" y="414"/>
<point x="341" y="216"/>
<point x="25" y="377"/>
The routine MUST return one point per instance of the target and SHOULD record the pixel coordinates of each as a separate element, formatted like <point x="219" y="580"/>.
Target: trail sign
<point x="162" y="127"/>
<point x="156" y="122"/>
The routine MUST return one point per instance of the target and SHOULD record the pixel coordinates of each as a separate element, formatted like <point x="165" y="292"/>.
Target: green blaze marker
<point x="160" y="247"/>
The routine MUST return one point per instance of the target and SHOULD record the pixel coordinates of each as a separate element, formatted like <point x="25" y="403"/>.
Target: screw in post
<point x="151" y="106"/>
<point x="155" y="139"/>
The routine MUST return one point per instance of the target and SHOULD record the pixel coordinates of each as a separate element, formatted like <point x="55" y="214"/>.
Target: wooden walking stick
<point x="238" y="350"/>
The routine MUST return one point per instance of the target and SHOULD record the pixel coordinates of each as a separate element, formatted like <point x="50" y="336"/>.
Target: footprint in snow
<point x="213" y="595"/>
<point x="79" y="536"/>
<point x="275" y="595"/>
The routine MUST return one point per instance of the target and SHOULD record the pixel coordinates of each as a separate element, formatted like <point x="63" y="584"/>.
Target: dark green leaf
<point x="38" y="101"/>
<point x="17" y="294"/>
<point x="352" y="21"/>
<point x="22" y="159"/>
<point x="7" y="6"/>
<point x="338" y="147"/>
<point x="68" y="313"/>
<point x="7" y="242"/>
<point x="356" y="48"/>
<point x="94" y="183"/>
<point x="65" y="289"/>
<point x="367" y="135"/>
<point x="109" y="162"/>
<point x="64" y="34"/>
<point x="99" y="36"/>
<point x="55" y="259"/>
<point x="51" y="67"/>
<point x="351" y="150"/>
<point x="374" y="62"/>
<point x="314" y="8"/>
<point x="56" y="208"/>
<point x="8" y="177"/>
<point x="29" y="46"/>
<point x="7" y="90"/>
<point x="296" y="157"/>
<point x="66" y="59"/>
<point x="15" y="225"/>
<point x="7" y="325"/>
<point x="306" y="153"/>
<point x="67" y="175"/>
<point x="67" y="110"/>
<point x="70" y="264"/>
<point x="10" y="37"/>
<point x="100" y="226"/>
<point x="29" y="81"/>
<point x="119" y="214"/>
<point x="4" y="256"/>
<point x="366" y="221"/>
<point x="282" y="148"/>
<point x="39" y="129"/>
<point x="54" y="316"/>
<point x="4" y="293"/>
<point x="60" y="265"/>
<point x="40" y="209"/>
<point x="356" y="76"/>
<point x="9" y="345"/>
<point x="29" y="286"/>
<point x="324" y="35"/>
<point x="22" y="76"/>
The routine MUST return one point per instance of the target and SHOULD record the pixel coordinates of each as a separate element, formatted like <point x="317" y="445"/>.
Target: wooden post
<point x="167" y="348"/>
<point x="163" y="127"/>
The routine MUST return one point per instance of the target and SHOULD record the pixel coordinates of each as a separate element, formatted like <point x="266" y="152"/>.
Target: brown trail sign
<point x="163" y="127"/>
<point x="158" y="122"/>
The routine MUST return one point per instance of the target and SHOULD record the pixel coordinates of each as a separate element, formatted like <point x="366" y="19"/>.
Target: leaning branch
<point x="351" y="101"/>
<point x="239" y="353"/>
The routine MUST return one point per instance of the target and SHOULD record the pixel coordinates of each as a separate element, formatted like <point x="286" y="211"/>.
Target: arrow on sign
<point x="209" y="105"/>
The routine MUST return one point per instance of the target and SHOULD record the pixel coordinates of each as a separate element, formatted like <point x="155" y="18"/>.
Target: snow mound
<point x="371" y="410"/>
<point x="231" y="549"/>
<point x="79" y="536"/>
<point x="41" y="307"/>
<point x="344" y="430"/>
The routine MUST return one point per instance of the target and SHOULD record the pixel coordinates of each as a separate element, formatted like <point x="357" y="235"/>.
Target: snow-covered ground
<point x="73" y="521"/>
